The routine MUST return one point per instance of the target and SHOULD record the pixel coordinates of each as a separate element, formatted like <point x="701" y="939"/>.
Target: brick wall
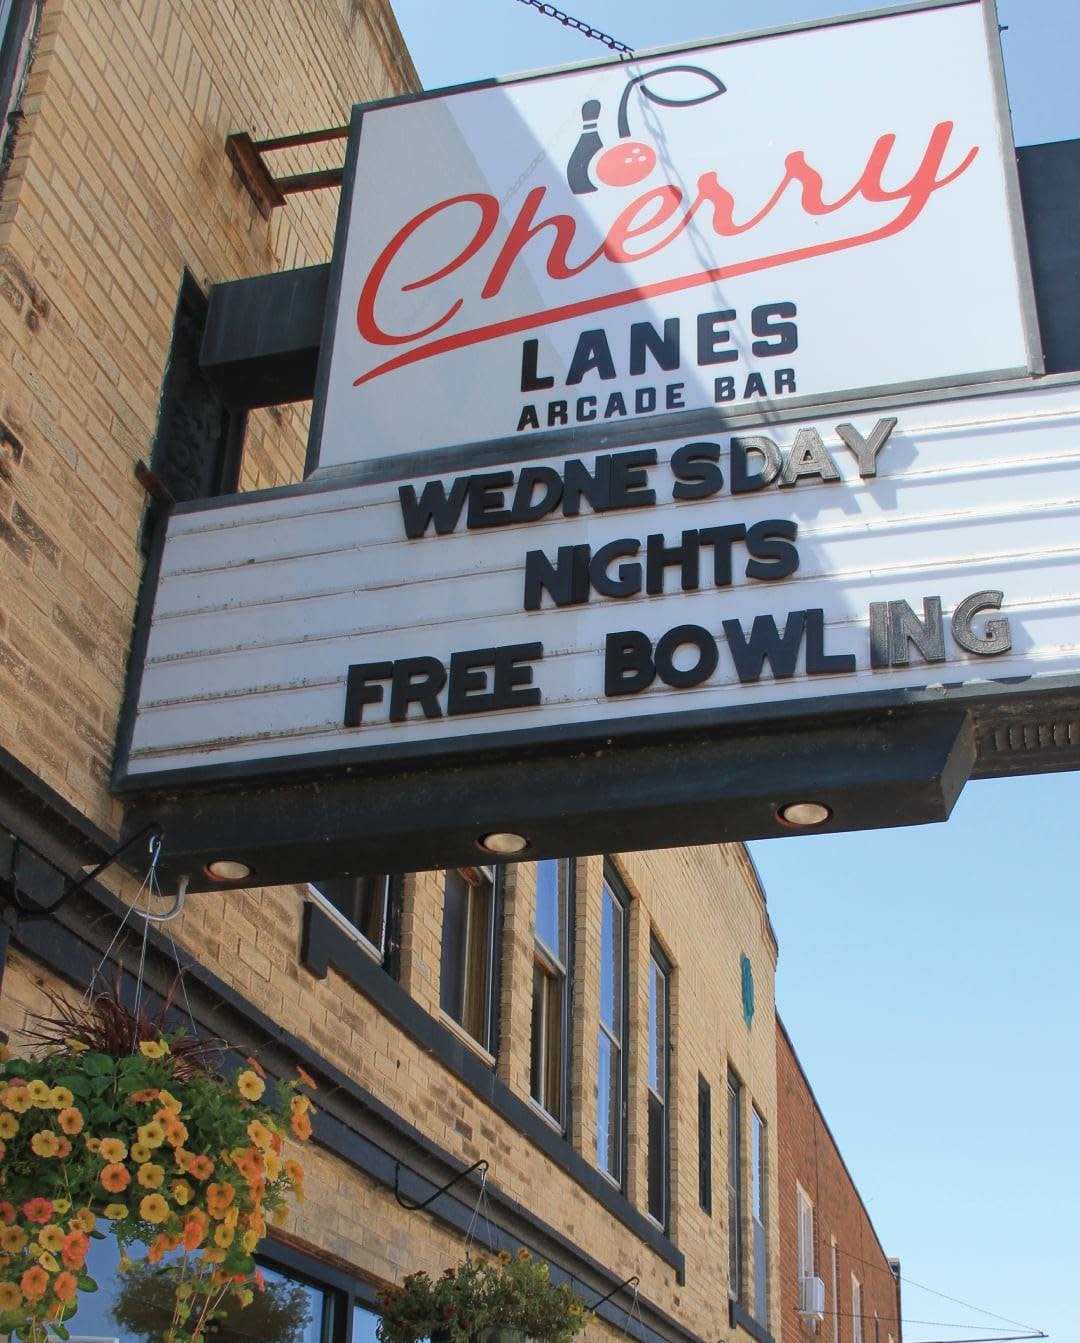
<point x="809" y="1157"/>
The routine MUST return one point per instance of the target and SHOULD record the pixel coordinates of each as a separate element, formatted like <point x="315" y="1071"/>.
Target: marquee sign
<point x="925" y="551"/>
<point x="773" y="220"/>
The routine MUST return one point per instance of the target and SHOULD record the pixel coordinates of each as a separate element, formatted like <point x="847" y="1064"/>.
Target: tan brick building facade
<point x="116" y="187"/>
<point x="825" y="1230"/>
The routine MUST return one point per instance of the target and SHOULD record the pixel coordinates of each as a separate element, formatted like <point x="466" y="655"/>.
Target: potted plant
<point x="113" y="1121"/>
<point x="480" y="1302"/>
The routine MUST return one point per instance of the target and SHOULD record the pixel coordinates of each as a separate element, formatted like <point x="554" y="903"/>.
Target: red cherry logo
<point x="625" y="163"/>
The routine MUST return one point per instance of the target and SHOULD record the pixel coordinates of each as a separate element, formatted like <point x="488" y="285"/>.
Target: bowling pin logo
<point x="628" y="161"/>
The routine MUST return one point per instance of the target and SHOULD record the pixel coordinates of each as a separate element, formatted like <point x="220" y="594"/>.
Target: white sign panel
<point x="808" y="214"/>
<point x="792" y="564"/>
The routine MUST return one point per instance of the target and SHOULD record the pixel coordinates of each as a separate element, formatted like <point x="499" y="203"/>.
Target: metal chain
<point x="586" y="29"/>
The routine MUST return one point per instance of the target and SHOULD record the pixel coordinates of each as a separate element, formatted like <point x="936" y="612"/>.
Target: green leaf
<point x="76" y="1083"/>
<point x="86" y="1282"/>
<point x="133" y="1063"/>
<point x="98" y="1065"/>
<point x="61" y="1332"/>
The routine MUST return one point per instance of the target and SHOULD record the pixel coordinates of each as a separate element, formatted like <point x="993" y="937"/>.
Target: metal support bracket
<point x="631" y="1281"/>
<point x="410" y="1206"/>
<point x="267" y="191"/>
<point x="28" y="913"/>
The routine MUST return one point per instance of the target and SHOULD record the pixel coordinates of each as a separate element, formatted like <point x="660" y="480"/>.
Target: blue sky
<point x="928" y="975"/>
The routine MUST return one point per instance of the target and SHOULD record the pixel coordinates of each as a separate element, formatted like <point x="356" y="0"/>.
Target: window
<point x="550" y="1017"/>
<point x="610" y="1087"/>
<point x="805" y="1212"/>
<point x="704" y="1145"/>
<point x="757" y="1210"/>
<point x="659" y="973"/>
<point x="856" y="1310"/>
<point x="836" y="1295"/>
<point x="735" y="1196"/>
<point x="17" y="22"/>
<point x="138" y="1304"/>
<point x="467" y="980"/>
<point x="369" y="906"/>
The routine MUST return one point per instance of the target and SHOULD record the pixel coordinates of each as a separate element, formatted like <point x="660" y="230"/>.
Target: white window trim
<point x="856" y="1310"/>
<point x="835" y="1292"/>
<point x="804" y="1206"/>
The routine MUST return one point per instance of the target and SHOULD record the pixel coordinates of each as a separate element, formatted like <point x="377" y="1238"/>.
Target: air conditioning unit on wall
<point x="812" y="1298"/>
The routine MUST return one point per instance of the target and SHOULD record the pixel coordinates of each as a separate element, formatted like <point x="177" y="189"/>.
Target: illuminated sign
<point x="773" y="220"/>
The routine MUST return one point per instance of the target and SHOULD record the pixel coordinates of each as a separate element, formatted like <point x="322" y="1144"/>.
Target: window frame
<point x="856" y="1310"/>
<point x="835" y="1268"/>
<point x="387" y="955"/>
<point x="736" y="1193"/>
<point x="17" y="37"/>
<point x="555" y="971"/>
<point x="493" y="875"/>
<point x="659" y="1040"/>
<point x="759" y="1212"/>
<point x="804" y="1233"/>
<point x="612" y="885"/>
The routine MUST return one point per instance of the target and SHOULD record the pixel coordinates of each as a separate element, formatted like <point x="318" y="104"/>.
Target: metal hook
<point x="633" y="1279"/>
<point x="410" y="1206"/>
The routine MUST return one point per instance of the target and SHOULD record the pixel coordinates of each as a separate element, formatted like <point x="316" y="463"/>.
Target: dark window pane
<point x="704" y="1122"/>
<point x="656" y="1159"/>
<point x="735" y="1254"/>
<point x="363" y="901"/>
<point x="609" y="1108"/>
<point x="551" y="907"/>
<point x="465" y="985"/>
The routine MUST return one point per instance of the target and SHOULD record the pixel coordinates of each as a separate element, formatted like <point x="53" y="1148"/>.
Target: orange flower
<point x="301" y="1126"/>
<point x="306" y="1078"/>
<point x="12" y="1239"/>
<point x="73" y="1251"/>
<point x="16" y="1098"/>
<point x="112" y="1150"/>
<point x="294" y="1171"/>
<point x="71" y="1121"/>
<point x="148" y="1094"/>
<point x="115" y="1178"/>
<point x="34" y="1282"/>
<point x="153" y="1208"/>
<point x="7" y="1213"/>
<point x="38" y="1210"/>
<point x="92" y="1144"/>
<point x="201" y="1167"/>
<point x="63" y="1149"/>
<point x="218" y="1198"/>
<point x="250" y="1086"/>
<point x="64" y="1286"/>
<point x="176" y="1131"/>
<point x="195" y="1227"/>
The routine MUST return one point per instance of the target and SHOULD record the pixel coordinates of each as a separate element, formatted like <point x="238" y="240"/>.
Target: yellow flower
<point x="212" y="1256"/>
<point x="154" y="1049"/>
<point x="112" y="1150"/>
<point x="301" y="1105"/>
<point x="250" y="1086"/>
<point x="48" y="1263"/>
<point x="273" y="1165"/>
<point x="181" y="1192"/>
<point x="248" y="1242"/>
<point x="60" y="1098"/>
<point x="77" y="1046"/>
<point x="151" y="1176"/>
<point x="85" y="1220"/>
<point x="61" y="1205"/>
<point x="169" y="1102"/>
<point x="9" y="1126"/>
<point x="116" y="1212"/>
<point x="260" y="1135"/>
<point x="280" y="1215"/>
<point x="10" y="1296"/>
<point x="51" y="1238"/>
<point x="223" y="1236"/>
<point x="45" y="1143"/>
<point x="12" y="1239"/>
<point x="39" y="1092"/>
<point x="153" y="1208"/>
<point x="152" y="1134"/>
<point x="140" y="1152"/>
<point x="125" y="1263"/>
<point x="17" y="1099"/>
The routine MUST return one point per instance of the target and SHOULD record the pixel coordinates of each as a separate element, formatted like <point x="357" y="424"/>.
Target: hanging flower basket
<point x="115" y="1121"/>
<point x="501" y="1302"/>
